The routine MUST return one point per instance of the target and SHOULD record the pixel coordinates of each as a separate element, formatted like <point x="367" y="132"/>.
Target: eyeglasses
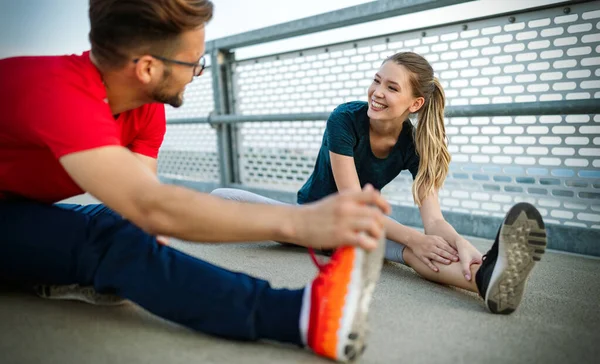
<point x="198" y="68"/>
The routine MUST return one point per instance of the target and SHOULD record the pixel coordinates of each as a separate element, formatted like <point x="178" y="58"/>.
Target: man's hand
<point x="468" y="256"/>
<point x="347" y="218"/>
<point x="434" y="248"/>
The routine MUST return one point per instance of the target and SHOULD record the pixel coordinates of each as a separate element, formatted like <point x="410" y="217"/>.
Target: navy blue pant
<point x="93" y="246"/>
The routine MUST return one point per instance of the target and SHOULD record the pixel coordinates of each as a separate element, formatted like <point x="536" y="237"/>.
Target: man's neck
<point x="119" y="93"/>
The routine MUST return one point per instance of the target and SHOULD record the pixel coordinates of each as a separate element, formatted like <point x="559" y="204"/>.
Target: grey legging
<point x="393" y="250"/>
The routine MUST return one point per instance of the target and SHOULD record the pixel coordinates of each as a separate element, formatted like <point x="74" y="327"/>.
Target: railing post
<point x="231" y="109"/>
<point x="221" y="76"/>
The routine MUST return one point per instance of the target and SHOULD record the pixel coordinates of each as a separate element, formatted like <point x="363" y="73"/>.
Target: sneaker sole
<point x="75" y="292"/>
<point x="521" y="243"/>
<point x="353" y="332"/>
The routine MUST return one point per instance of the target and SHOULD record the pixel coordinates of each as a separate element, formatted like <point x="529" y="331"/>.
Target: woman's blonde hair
<point x="430" y="134"/>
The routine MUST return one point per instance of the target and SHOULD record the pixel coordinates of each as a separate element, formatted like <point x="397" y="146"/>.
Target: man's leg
<point x="90" y="210"/>
<point x="44" y="244"/>
<point x="75" y="291"/>
<point x="50" y="245"/>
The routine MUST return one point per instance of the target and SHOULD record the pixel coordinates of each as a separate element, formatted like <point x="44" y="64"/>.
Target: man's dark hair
<point x="122" y="27"/>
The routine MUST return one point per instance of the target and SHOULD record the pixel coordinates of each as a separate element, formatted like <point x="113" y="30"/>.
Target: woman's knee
<point x="228" y="194"/>
<point x="241" y="196"/>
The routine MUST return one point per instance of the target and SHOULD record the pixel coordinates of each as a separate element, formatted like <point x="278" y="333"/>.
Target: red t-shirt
<point x="54" y="106"/>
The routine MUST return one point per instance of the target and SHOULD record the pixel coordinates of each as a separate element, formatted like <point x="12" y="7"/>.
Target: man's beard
<point x="160" y="93"/>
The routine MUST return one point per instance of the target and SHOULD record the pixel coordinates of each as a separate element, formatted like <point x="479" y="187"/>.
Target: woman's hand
<point x="434" y="248"/>
<point x="468" y="256"/>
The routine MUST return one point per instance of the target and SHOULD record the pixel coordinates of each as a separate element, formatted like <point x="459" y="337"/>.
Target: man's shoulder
<point x="45" y="67"/>
<point x="79" y="72"/>
<point x="52" y="78"/>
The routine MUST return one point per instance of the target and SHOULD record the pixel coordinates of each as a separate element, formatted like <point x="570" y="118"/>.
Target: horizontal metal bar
<point x="233" y="119"/>
<point x="568" y="107"/>
<point x="335" y="19"/>
<point x="272" y="117"/>
<point x="425" y="29"/>
<point x="188" y="121"/>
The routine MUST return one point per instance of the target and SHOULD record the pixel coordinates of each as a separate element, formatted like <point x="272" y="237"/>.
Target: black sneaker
<point x="520" y="242"/>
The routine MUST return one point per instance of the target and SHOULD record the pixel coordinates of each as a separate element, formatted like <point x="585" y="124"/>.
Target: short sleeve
<point x="341" y="138"/>
<point x="150" y="138"/>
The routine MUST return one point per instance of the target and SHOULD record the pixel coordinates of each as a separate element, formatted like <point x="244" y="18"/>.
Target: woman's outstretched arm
<point x="435" y="224"/>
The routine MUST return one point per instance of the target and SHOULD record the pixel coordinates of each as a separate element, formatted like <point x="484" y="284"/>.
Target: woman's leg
<point x="502" y="277"/>
<point x="244" y="196"/>
<point x="393" y="250"/>
<point x="235" y="194"/>
<point x="448" y="274"/>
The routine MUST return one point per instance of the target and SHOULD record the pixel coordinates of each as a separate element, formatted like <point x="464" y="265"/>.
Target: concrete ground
<point x="412" y="320"/>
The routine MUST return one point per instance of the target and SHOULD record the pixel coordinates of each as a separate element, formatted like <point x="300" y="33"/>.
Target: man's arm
<point x="116" y="177"/>
<point x="152" y="165"/>
<point x="149" y="162"/>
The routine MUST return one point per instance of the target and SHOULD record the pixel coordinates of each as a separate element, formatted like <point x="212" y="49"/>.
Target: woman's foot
<point x="519" y="244"/>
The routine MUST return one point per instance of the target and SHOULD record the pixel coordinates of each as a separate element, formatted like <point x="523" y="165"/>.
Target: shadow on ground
<point x="412" y="320"/>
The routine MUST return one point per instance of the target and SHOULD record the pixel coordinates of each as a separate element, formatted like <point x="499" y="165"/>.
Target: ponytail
<point x="430" y="143"/>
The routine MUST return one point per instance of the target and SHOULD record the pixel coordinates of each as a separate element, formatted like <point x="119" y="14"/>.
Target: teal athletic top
<point x="347" y="133"/>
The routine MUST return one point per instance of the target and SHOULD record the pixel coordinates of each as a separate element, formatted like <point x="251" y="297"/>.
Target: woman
<point x="372" y="142"/>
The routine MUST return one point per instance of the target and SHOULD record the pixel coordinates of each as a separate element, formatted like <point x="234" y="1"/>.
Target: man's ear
<point x="417" y="104"/>
<point x="146" y="68"/>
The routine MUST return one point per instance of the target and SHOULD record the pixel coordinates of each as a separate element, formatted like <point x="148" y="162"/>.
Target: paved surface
<point x="412" y="320"/>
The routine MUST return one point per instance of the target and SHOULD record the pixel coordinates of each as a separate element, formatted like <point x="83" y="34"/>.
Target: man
<point x="94" y="123"/>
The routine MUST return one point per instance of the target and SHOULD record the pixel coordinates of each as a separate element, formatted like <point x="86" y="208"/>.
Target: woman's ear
<point x="416" y="105"/>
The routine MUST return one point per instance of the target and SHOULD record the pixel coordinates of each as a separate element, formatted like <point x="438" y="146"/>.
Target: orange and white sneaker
<point x="333" y="321"/>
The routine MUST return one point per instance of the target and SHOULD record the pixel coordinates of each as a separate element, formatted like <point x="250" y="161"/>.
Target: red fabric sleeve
<point x="150" y="138"/>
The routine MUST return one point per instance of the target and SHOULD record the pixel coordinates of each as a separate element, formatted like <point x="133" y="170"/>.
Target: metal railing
<point x="523" y="117"/>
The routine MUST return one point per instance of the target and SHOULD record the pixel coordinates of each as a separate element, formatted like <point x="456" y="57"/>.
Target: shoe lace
<point x="320" y="265"/>
<point x="313" y="257"/>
